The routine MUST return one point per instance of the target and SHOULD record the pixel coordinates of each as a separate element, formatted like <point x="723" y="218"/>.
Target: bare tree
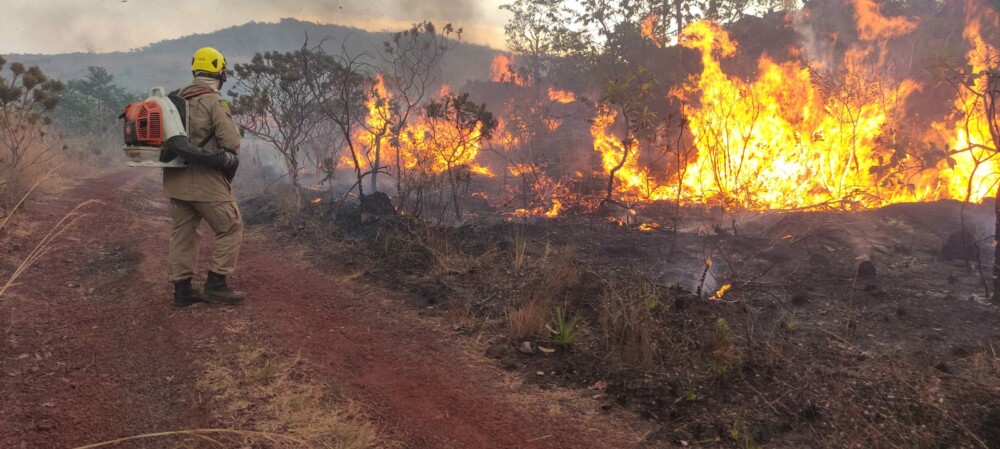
<point x="413" y="58"/>
<point x="338" y="83"/>
<point x="272" y="101"/>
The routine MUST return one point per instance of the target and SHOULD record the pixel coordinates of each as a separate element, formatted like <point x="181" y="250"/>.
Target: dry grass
<point x="519" y="239"/>
<point x="276" y="396"/>
<point x="558" y="272"/>
<point x="627" y="316"/>
<point x="45" y="244"/>
<point x="528" y="320"/>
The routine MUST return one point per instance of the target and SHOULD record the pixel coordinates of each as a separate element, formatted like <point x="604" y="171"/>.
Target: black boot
<point x="216" y="290"/>
<point x="184" y="294"/>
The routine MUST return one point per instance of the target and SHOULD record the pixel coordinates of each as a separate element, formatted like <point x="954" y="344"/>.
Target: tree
<point x="339" y="83"/>
<point x="27" y="99"/>
<point x="274" y="102"/>
<point x="90" y="107"/>
<point x="630" y="97"/>
<point x="413" y="58"/>
<point x="542" y="35"/>
<point x="459" y="127"/>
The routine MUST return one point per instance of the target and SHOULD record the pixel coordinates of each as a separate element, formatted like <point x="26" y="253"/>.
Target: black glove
<point x="220" y="159"/>
<point x="230" y="172"/>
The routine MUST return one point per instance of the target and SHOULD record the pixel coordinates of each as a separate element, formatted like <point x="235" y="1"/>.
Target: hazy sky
<point x="60" y="26"/>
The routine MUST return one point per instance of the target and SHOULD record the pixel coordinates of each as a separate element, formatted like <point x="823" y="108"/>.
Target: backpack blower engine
<point x="155" y="136"/>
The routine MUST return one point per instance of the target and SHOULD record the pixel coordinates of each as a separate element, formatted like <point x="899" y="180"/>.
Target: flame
<point x="633" y="180"/>
<point x="561" y="96"/>
<point x="771" y="143"/>
<point x="648" y="28"/>
<point x="722" y="291"/>
<point x="481" y="170"/>
<point x="548" y="195"/>
<point x="430" y="147"/>
<point x="502" y="70"/>
<point x="975" y="166"/>
<point x="786" y="140"/>
<point x="375" y="133"/>
<point x="317" y="200"/>
<point x="872" y="25"/>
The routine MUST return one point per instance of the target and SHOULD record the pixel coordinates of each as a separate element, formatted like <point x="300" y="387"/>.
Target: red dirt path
<point x="91" y="350"/>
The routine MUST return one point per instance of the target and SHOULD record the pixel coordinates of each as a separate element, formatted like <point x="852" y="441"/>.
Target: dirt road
<point x="91" y="350"/>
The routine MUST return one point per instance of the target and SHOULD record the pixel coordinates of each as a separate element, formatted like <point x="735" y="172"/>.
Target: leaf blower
<point x="155" y="136"/>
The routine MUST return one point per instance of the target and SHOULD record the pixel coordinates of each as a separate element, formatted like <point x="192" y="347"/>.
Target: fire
<point x="649" y="227"/>
<point x="375" y="134"/>
<point x="632" y="179"/>
<point x="561" y="96"/>
<point x="429" y="147"/>
<point x="502" y="70"/>
<point x="548" y="195"/>
<point x="722" y="291"/>
<point x="317" y="200"/>
<point x="793" y="138"/>
<point x="777" y="142"/>
<point x="481" y="170"/>
<point x="648" y="28"/>
<point x="424" y="147"/>
<point x="974" y="171"/>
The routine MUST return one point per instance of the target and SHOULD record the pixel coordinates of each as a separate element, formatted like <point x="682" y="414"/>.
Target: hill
<point x="165" y="63"/>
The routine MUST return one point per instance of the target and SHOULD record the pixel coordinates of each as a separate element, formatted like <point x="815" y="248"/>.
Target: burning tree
<point x="458" y="127"/>
<point x="413" y="57"/>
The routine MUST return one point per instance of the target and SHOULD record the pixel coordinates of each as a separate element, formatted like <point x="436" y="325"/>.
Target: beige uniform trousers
<point x="226" y="222"/>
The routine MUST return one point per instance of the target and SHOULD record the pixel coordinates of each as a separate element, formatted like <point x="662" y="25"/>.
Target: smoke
<point x="818" y="51"/>
<point x="62" y="26"/>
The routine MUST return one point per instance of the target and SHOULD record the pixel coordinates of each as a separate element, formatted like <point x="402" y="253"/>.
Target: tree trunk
<point x="377" y="164"/>
<point x="996" y="251"/>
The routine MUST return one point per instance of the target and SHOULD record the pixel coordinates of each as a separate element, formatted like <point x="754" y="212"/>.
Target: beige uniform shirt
<point x="206" y="113"/>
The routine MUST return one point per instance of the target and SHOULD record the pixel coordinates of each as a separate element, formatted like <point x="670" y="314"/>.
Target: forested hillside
<point x="166" y="63"/>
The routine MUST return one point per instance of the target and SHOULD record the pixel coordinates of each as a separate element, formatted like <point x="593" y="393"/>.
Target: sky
<point x="64" y="26"/>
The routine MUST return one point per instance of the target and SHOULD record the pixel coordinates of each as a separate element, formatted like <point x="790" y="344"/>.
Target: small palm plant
<point x="564" y="332"/>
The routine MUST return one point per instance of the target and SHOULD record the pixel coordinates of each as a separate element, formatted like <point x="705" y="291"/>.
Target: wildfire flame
<point x="781" y="141"/>
<point x="973" y="172"/>
<point x="502" y="70"/>
<point x="561" y="96"/>
<point x="648" y="29"/>
<point x="722" y="291"/>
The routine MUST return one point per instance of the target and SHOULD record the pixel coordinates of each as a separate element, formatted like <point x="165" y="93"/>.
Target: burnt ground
<point x="91" y="351"/>
<point x="841" y="329"/>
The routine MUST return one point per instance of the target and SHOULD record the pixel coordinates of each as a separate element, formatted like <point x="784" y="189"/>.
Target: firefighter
<point x="199" y="192"/>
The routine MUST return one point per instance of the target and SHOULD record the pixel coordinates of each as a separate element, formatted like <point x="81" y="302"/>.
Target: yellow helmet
<point x="208" y="59"/>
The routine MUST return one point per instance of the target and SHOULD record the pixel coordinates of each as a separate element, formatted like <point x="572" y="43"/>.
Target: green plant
<point x="790" y="324"/>
<point x="689" y="392"/>
<point x="650" y="294"/>
<point x="739" y="434"/>
<point x="721" y="350"/>
<point x="564" y="332"/>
